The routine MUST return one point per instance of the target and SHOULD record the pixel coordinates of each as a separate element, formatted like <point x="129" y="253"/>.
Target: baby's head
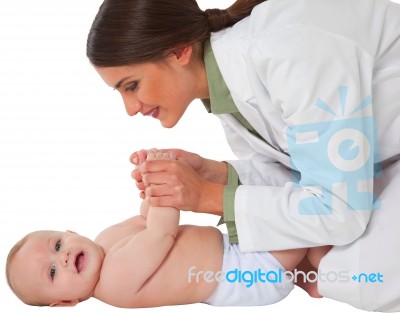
<point x="54" y="268"/>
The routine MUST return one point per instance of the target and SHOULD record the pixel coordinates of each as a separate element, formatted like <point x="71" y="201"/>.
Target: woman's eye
<point x="52" y="272"/>
<point x="58" y="246"/>
<point x="131" y="87"/>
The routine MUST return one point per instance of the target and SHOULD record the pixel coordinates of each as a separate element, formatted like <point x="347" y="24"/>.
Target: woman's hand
<point x="176" y="183"/>
<point x="137" y="158"/>
<point x="212" y="171"/>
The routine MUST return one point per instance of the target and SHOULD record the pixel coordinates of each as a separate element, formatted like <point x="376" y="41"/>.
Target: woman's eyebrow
<point x="117" y="85"/>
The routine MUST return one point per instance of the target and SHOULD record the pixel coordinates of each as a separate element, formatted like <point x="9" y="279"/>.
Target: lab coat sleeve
<point x="321" y="83"/>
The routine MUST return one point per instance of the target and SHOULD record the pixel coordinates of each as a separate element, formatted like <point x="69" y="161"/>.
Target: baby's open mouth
<point x="79" y="262"/>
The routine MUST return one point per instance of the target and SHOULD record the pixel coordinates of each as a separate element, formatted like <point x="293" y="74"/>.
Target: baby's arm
<point x="144" y="208"/>
<point x="130" y="265"/>
<point x="134" y="260"/>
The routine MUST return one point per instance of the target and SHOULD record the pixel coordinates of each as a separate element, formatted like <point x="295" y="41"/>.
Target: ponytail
<point x="220" y="19"/>
<point x="136" y="31"/>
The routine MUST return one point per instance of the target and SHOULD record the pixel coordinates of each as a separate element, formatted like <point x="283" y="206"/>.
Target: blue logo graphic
<point x="261" y="276"/>
<point x="368" y="278"/>
<point x="336" y="160"/>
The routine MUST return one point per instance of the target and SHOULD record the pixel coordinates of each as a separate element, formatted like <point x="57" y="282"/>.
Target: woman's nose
<point x="132" y="105"/>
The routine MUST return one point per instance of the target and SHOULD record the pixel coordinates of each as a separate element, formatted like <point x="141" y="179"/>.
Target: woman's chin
<point x="168" y="124"/>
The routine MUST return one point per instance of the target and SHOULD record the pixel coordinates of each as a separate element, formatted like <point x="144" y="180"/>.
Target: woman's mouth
<point x="153" y="113"/>
<point x="79" y="262"/>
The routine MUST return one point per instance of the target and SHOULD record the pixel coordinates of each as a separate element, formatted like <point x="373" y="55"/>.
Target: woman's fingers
<point x="179" y="179"/>
<point x="159" y="178"/>
<point x="166" y="201"/>
<point x="136" y="175"/>
<point x="140" y="157"/>
<point x="159" y="165"/>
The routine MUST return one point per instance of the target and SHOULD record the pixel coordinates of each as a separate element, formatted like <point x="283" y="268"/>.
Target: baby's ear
<point x="65" y="303"/>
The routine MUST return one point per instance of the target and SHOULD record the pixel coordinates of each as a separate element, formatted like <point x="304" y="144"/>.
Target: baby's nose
<point x="65" y="258"/>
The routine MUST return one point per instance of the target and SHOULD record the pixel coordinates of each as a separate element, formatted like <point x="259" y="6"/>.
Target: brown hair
<point x="136" y="31"/>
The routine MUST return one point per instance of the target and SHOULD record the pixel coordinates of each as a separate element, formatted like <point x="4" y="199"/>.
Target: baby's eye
<point x="58" y="246"/>
<point x="52" y="272"/>
<point x="131" y="86"/>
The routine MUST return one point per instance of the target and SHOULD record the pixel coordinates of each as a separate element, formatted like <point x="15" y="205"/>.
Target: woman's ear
<point x="183" y="54"/>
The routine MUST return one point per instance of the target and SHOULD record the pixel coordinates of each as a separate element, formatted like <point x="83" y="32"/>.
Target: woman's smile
<point x="153" y="112"/>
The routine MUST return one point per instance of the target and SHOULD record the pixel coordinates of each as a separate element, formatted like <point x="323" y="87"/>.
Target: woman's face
<point x="162" y="90"/>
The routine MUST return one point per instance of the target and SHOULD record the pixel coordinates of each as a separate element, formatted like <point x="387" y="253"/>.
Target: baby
<point x="146" y="261"/>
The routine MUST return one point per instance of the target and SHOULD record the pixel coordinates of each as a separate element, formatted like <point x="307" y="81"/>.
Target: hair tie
<point x="217" y="19"/>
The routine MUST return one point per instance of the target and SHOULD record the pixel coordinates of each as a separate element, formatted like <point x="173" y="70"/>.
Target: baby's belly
<point x="187" y="274"/>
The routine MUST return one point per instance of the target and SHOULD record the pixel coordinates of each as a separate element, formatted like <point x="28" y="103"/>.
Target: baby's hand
<point x="145" y="155"/>
<point x="140" y="156"/>
<point x="167" y="218"/>
<point x="153" y="155"/>
<point x="136" y="159"/>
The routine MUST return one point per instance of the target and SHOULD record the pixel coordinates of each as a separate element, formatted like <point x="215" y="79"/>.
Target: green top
<point x="221" y="102"/>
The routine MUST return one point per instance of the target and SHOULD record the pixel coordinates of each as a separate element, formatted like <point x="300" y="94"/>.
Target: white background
<point x="65" y="141"/>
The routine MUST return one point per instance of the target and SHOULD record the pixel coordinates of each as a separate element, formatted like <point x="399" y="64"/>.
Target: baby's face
<point x="57" y="266"/>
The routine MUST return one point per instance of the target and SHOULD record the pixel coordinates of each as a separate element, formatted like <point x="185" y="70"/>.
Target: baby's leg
<point x="290" y="258"/>
<point x="314" y="255"/>
<point x="310" y="264"/>
<point x="305" y="260"/>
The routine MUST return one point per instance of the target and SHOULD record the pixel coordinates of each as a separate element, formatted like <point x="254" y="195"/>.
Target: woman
<point x="305" y="91"/>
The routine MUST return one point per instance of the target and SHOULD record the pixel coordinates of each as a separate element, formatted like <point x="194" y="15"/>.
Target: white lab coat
<point x="302" y="65"/>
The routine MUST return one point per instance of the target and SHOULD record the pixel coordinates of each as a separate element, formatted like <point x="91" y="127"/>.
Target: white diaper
<point x="252" y="278"/>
